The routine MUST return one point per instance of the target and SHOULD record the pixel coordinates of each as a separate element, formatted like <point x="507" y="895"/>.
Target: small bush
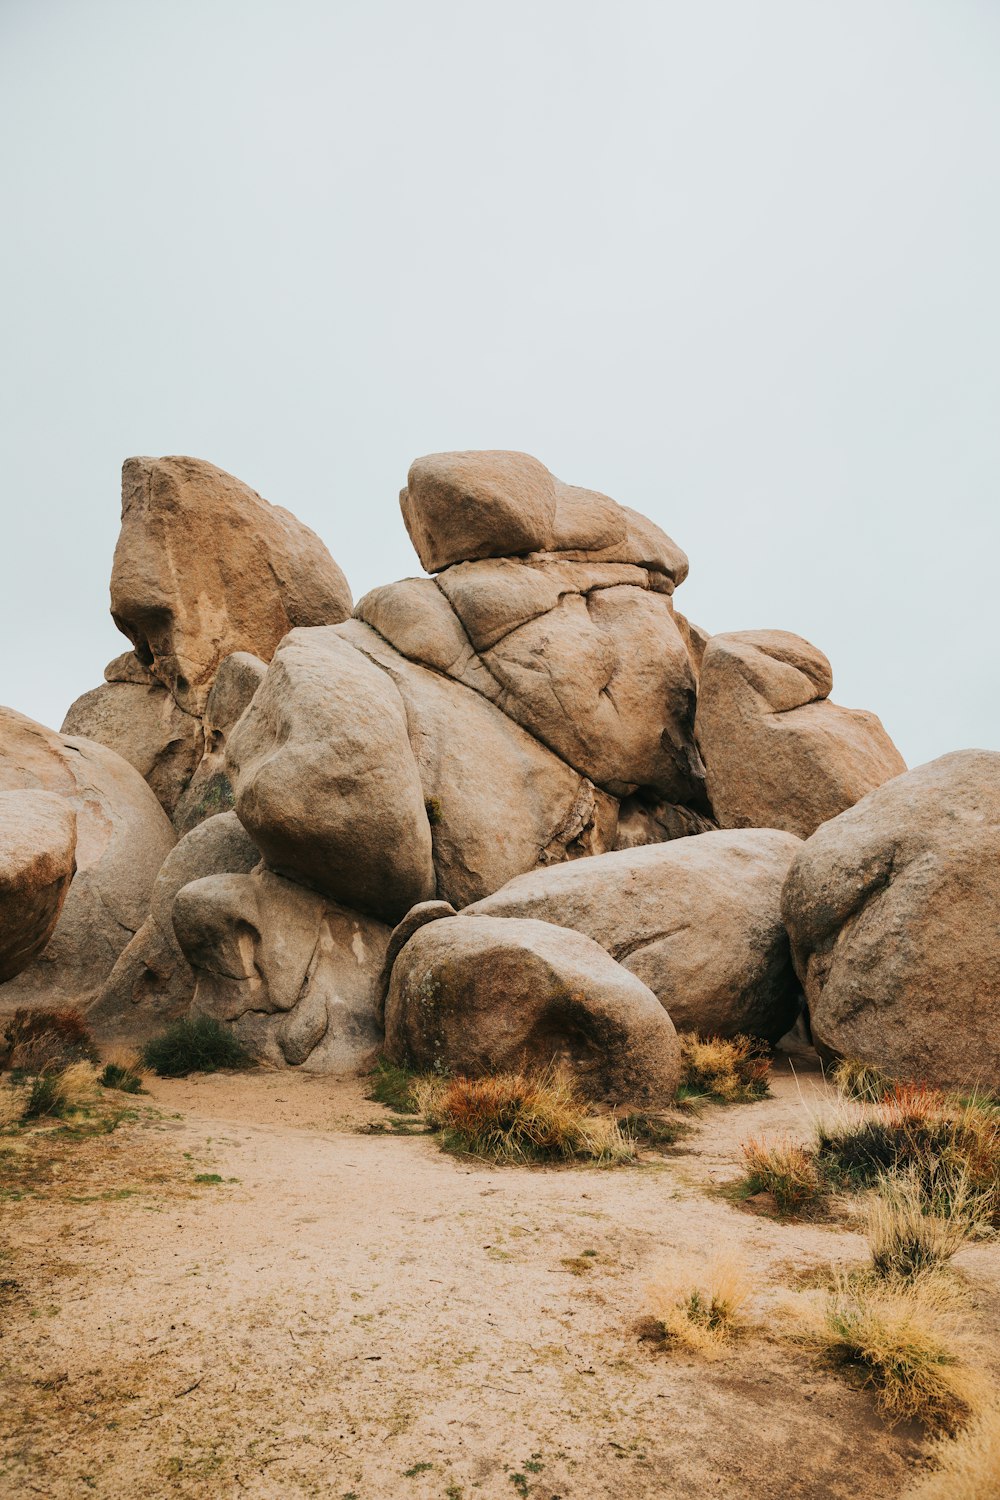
<point x="40" y="1041"/>
<point x="783" y="1168"/>
<point x="899" y="1336"/>
<point x="394" y="1086"/>
<point x="861" y="1081"/>
<point x="967" y="1467"/>
<point x="194" y="1044"/>
<point x="698" y="1311"/>
<point x="732" y="1071"/>
<point x="517" y="1117"/>
<point x="122" y="1074"/>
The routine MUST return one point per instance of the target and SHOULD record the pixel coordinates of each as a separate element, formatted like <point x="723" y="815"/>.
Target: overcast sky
<point x="735" y="264"/>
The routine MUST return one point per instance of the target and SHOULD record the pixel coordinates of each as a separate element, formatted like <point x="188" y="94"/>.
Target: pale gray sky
<point x="734" y="262"/>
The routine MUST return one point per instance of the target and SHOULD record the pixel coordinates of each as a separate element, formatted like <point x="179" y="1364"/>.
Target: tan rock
<point x="892" y="911"/>
<point x="136" y="717"/>
<point x="476" y="994"/>
<point x="204" y="567"/>
<point x="325" y="781"/>
<point x="777" y="752"/>
<point x="123" y="837"/>
<point x="37" y="861"/>
<point x="469" y="757"/>
<point x="698" y="920"/>
<point x="296" y="975"/>
<point x="152" y="982"/>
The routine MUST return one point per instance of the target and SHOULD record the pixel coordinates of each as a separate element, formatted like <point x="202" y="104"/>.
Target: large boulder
<point x="135" y="716"/>
<point x="475" y="994"/>
<point x="152" y="982"/>
<point x="205" y="567"/>
<point x="123" y="837"/>
<point x="325" y="780"/>
<point x="894" y="914"/>
<point x="698" y="920"/>
<point x="296" y="976"/>
<point x="777" y="752"/>
<point x="37" y="861"/>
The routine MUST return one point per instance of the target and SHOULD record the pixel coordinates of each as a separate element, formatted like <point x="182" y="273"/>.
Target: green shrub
<point x="393" y="1086"/>
<point x="194" y="1044"/>
<point x="117" y="1076"/>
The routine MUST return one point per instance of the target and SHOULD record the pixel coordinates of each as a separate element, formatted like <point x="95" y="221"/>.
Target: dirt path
<point x="360" y="1316"/>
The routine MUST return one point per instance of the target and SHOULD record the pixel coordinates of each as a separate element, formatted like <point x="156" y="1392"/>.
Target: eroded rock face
<point x="296" y="975"/>
<point x="37" y="862"/>
<point x="136" y="717"/>
<point x="209" y="791"/>
<point x="698" y="920"/>
<point x="123" y="837"/>
<point x="778" y="753"/>
<point x="204" y="567"/>
<point x="892" y="908"/>
<point x="477" y="994"/>
<point x="152" y="982"/>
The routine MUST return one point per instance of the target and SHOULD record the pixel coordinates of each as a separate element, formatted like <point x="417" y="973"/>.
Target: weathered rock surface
<point x="698" y="920"/>
<point x="778" y="753"/>
<point x="296" y="975"/>
<point x="37" y="861"/>
<point x="892" y="908"/>
<point x="209" y="790"/>
<point x="123" y="837"/>
<point x="134" y="715"/>
<point x="325" y="780"/>
<point x="152" y="982"/>
<point x="204" y="567"/>
<point x="477" y="994"/>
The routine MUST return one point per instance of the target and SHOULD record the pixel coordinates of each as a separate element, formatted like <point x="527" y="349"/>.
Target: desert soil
<point x="358" y="1316"/>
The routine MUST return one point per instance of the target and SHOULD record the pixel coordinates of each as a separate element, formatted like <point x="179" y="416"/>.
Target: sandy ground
<point x="358" y="1316"/>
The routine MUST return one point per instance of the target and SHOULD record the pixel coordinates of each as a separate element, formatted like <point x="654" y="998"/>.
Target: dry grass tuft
<point x="732" y="1071"/>
<point x="783" y="1168"/>
<point x="900" y="1335"/>
<point x="968" y="1467"/>
<point x="519" y="1117"/>
<point x="915" y="1222"/>
<point x="698" y="1311"/>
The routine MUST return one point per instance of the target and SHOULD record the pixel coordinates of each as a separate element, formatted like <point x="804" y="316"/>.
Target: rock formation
<point x="517" y="811"/>
<point x="892" y="911"/>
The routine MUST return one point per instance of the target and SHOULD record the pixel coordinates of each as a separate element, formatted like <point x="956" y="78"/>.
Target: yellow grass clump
<point x="698" y="1309"/>
<point x="783" y="1168"/>
<point x="901" y="1336"/>
<point x="915" y="1223"/>
<point x="518" y="1117"/>
<point x="732" y="1070"/>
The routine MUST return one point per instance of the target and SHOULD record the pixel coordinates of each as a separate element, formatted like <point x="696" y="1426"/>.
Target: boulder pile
<point x="515" y="811"/>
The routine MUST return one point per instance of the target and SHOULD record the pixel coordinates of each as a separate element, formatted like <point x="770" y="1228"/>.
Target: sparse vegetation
<point x="393" y="1086"/>
<point x="698" y="1311"/>
<point x="517" y="1117"/>
<point x="900" y="1337"/>
<point x="194" y="1044"/>
<point x="730" y="1071"/>
<point x="784" y="1169"/>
